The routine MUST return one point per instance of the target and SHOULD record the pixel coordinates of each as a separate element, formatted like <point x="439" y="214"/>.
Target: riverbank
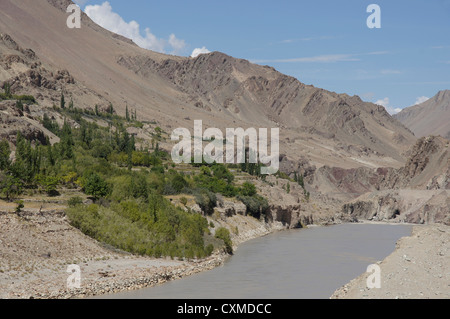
<point x="37" y="246"/>
<point x="417" y="269"/>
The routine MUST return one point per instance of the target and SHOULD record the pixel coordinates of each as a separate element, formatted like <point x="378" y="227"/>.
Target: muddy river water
<point x="295" y="264"/>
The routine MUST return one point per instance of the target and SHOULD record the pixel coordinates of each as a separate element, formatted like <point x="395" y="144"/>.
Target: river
<point x="297" y="264"/>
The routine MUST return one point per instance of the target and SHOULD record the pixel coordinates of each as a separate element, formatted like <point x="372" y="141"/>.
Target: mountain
<point x="419" y="192"/>
<point x="431" y="117"/>
<point x="93" y="66"/>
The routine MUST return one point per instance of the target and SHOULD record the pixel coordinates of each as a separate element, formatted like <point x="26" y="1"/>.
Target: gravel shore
<point x="419" y="268"/>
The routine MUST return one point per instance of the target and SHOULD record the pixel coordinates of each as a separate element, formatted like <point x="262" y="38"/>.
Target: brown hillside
<point x="98" y="67"/>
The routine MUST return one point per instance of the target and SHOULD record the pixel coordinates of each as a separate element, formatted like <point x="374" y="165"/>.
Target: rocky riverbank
<point x="38" y="244"/>
<point x="417" y="269"/>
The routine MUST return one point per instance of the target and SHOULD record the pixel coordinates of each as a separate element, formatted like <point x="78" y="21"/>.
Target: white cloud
<point x="421" y="99"/>
<point x="104" y="16"/>
<point x="199" y="51"/>
<point x="178" y="45"/>
<point x="385" y="103"/>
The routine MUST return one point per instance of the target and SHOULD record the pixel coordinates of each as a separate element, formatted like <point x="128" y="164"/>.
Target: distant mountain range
<point x="343" y="147"/>
<point x="94" y="66"/>
<point x="431" y="117"/>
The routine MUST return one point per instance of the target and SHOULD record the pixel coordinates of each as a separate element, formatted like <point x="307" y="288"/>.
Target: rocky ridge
<point x="416" y="193"/>
<point x="431" y="117"/>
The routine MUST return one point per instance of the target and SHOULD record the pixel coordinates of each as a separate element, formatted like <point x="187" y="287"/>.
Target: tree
<point x="178" y="183"/>
<point x="10" y="185"/>
<point x="110" y="109"/>
<point x="7" y="88"/>
<point x="24" y="166"/>
<point x="50" y="124"/>
<point x="62" y="102"/>
<point x="49" y="183"/>
<point x="67" y="142"/>
<point x="96" y="186"/>
<point x="127" y="114"/>
<point x="19" y="105"/>
<point x="5" y="152"/>
<point x="300" y="181"/>
<point x="139" y="186"/>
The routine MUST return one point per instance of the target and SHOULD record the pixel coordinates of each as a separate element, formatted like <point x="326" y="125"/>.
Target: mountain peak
<point x="442" y="96"/>
<point x="431" y="117"/>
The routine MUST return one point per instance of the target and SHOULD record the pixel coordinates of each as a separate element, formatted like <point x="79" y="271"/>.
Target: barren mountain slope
<point x="431" y="117"/>
<point x="419" y="192"/>
<point x="322" y="127"/>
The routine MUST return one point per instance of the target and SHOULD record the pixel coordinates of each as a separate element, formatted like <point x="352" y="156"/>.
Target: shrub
<point x="209" y="249"/>
<point x="248" y="189"/>
<point x="75" y="201"/>
<point x="256" y="205"/>
<point x="28" y="99"/>
<point x="206" y="200"/>
<point x="155" y="228"/>
<point x="19" y="206"/>
<point x="224" y="234"/>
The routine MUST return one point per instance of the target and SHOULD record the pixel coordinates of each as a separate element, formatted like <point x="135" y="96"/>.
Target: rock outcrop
<point x="410" y="206"/>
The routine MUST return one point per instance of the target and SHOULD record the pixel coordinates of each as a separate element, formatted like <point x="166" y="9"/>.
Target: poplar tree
<point x="5" y="152"/>
<point x="62" y="102"/>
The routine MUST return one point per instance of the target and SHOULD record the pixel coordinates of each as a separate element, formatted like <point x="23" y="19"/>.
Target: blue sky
<point x="325" y="43"/>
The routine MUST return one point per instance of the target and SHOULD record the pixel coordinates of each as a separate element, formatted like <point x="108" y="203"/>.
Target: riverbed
<point x="297" y="264"/>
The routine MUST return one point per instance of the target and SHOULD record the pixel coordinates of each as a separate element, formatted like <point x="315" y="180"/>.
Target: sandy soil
<point x="419" y="268"/>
